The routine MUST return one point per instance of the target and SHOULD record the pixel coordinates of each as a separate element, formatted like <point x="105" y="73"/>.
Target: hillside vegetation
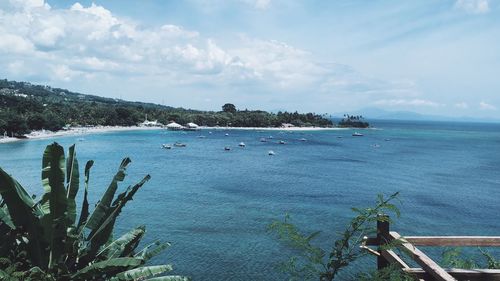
<point x="25" y="107"/>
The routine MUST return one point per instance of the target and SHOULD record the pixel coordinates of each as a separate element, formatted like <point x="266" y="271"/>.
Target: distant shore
<point x="77" y="131"/>
<point x="275" y="128"/>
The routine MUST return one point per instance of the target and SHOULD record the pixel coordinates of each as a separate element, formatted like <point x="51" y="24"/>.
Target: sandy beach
<point x="75" y="131"/>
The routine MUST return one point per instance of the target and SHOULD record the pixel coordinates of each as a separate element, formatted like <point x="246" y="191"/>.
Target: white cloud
<point x="473" y="6"/>
<point x="405" y="102"/>
<point x="462" y="105"/>
<point x="90" y="42"/>
<point x="262" y="4"/>
<point x="486" y="106"/>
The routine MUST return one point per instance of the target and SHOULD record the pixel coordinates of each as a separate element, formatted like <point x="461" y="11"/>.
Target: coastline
<point x="75" y="131"/>
<point x="78" y="131"/>
<point x="275" y="128"/>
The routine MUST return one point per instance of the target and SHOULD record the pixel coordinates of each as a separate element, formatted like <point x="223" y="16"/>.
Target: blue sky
<point x="432" y="57"/>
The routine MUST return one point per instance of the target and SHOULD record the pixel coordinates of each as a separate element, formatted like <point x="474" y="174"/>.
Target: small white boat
<point x="270" y="137"/>
<point x="303" y="139"/>
<point x="226" y="134"/>
<point x="270" y="152"/>
<point x="227" y="148"/>
<point x="201" y="137"/>
<point x="376" y="145"/>
<point x="179" y="144"/>
<point x="242" y="144"/>
<point x="356" y="134"/>
<point x="282" y="142"/>
<point x="263" y="140"/>
<point x="210" y="132"/>
<point x="387" y="139"/>
<point x="166" y="146"/>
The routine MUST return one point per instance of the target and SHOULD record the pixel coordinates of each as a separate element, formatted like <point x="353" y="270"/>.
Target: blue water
<point x="214" y="205"/>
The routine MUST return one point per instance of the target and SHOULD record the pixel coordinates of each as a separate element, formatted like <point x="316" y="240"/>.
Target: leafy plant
<point x="44" y="240"/>
<point x="453" y="257"/>
<point x="312" y="262"/>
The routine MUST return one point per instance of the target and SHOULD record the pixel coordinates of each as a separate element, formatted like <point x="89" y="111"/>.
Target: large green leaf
<point x="72" y="182"/>
<point x="141" y="273"/>
<point x="22" y="213"/>
<point x="169" y="278"/>
<point x="5" y="217"/>
<point x="102" y="234"/>
<point x="100" y="211"/>
<point x="55" y="218"/>
<point x="85" y="204"/>
<point x="124" y="245"/>
<point x="152" y="250"/>
<point x="107" y="269"/>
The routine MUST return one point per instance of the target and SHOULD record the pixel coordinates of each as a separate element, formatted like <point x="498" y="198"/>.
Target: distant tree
<point x="229" y="107"/>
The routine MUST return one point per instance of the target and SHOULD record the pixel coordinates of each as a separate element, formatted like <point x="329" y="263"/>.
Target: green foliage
<point x="453" y="257"/>
<point x="312" y="262"/>
<point x="391" y="273"/>
<point x="350" y="121"/>
<point x="42" y="241"/>
<point x="229" y="107"/>
<point x="25" y="107"/>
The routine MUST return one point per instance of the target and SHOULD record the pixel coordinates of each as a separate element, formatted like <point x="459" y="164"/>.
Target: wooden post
<point x="383" y="238"/>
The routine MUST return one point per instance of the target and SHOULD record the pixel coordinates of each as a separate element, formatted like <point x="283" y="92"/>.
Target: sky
<point x="427" y="56"/>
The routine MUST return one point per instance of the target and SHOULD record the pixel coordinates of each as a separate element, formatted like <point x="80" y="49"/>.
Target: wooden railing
<point x="429" y="270"/>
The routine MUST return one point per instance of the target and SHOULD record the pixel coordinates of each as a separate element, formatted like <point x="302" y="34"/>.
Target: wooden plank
<point x="424" y="261"/>
<point x="454" y="241"/>
<point x="460" y="274"/>
<point x="392" y="257"/>
<point x="447" y="241"/>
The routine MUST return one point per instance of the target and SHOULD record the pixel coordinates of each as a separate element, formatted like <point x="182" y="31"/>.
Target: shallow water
<point x="214" y="205"/>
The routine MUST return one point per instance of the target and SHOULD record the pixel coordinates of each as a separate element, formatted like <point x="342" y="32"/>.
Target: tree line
<point x="25" y="107"/>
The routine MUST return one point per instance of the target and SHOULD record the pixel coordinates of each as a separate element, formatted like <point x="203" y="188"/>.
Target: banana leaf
<point x="108" y="268"/>
<point x="22" y="213"/>
<point x="102" y="234"/>
<point x="55" y="220"/>
<point x="102" y="206"/>
<point x="124" y="245"/>
<point x="85" y="204"/>
<point x="141" y="273"/>
<point x="72" y="181"/>
<point x="169" y="278"/>
<point x="152" y="250"/>
<point x="5" y="217"/>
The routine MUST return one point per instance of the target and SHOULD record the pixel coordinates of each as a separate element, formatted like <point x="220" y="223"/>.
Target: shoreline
<point x="75" y="131"/>
<point x="80" y="131"/>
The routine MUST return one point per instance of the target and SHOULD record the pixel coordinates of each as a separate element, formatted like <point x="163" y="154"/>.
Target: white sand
<point x="75" y="131"/>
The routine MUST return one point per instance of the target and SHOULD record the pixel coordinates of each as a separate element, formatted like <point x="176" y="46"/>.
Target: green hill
<point x="25" y="107"/>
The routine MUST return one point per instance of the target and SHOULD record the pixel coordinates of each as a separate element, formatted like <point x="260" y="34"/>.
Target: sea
<point x="214" y="205"/>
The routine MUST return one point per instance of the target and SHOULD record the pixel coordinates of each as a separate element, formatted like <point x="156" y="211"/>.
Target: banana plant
<point x="44" y="240"/>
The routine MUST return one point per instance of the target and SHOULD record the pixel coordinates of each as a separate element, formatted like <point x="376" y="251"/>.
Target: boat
<point x="263" y="140"/>
<point x="303" y="139"/>
<point x="376" y="145"/>
<point x="242" y="144"/>
<point x="166" y="146"/>
<point x="227" y="148"/>
<point x="282" y="142"/>
<point x="270" y="137"/>
<point x="201" y="137"/>
<point x="270" y="152"/>
<point x="226" y="134"/>
<point x="356" y="134"/>
<point x="179" y="144"/>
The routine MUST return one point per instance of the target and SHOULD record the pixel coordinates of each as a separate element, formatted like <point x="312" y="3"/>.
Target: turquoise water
<point x="214" y="205"/>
